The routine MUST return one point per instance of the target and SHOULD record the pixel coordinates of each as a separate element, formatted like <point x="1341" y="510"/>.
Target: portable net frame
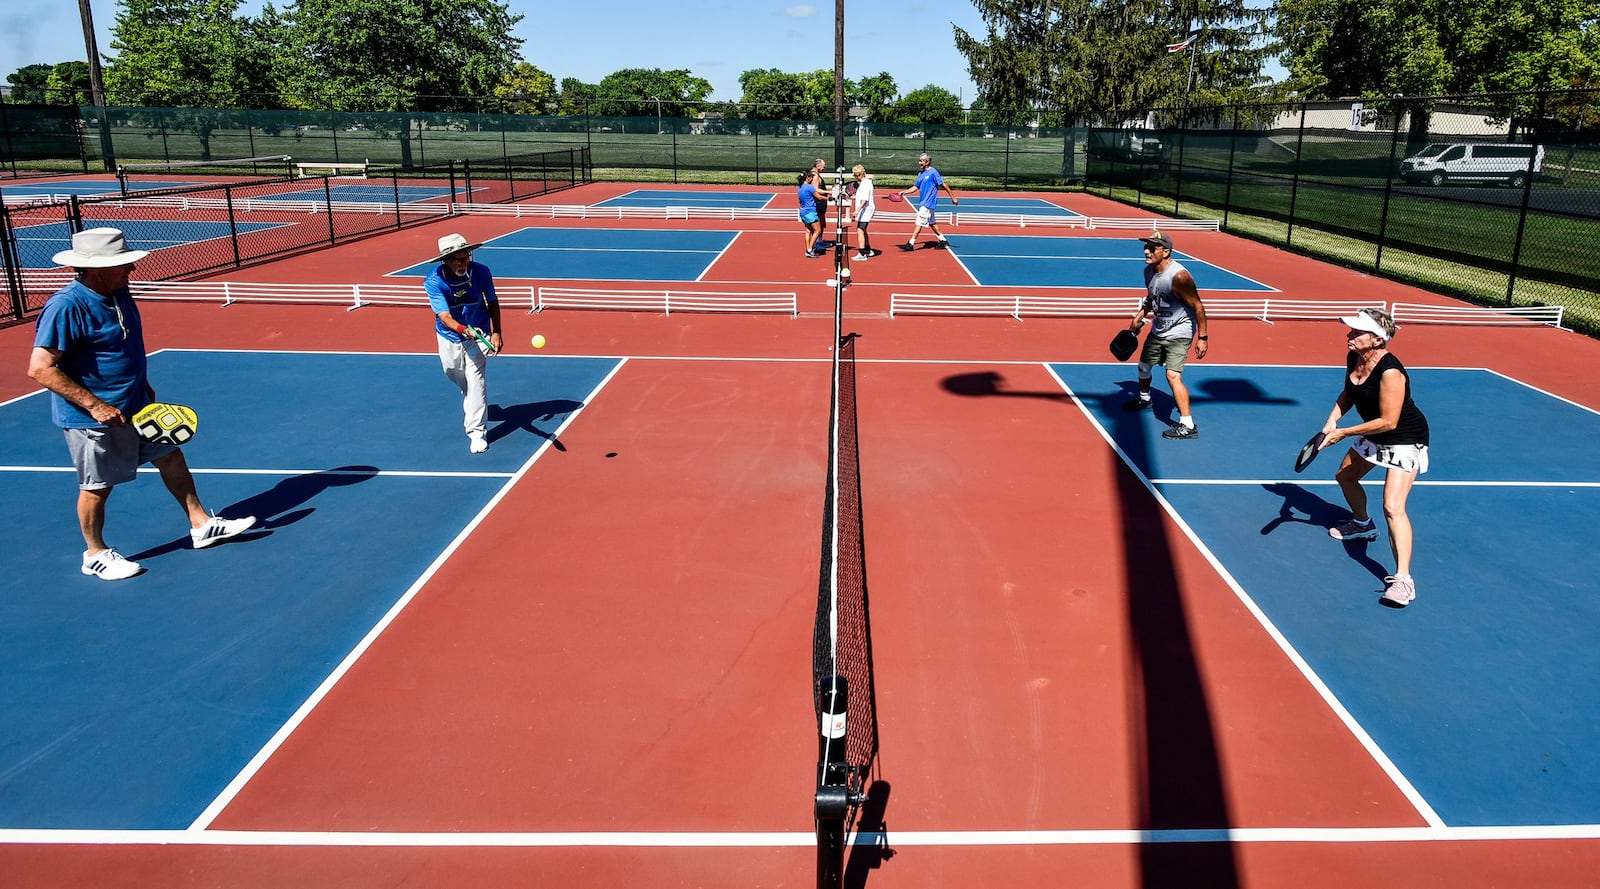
<point x="842" y="676"/>
<point x="267" y="166"/>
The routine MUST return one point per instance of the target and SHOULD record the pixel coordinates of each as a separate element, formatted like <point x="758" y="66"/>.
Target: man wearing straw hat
<point x="89" y="352"/>
<point x="461" y="295"/>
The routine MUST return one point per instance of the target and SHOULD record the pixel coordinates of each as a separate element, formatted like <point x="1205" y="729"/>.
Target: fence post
<point x="1522" y="214"/>
<point x="1294" y="190"/>
<point x="1233" y="150"/>
<point x="1388" y="189"/>
<point x="233" y="224"/>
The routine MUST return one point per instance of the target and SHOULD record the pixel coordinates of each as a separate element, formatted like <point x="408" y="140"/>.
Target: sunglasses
<point x="463" y="256"/>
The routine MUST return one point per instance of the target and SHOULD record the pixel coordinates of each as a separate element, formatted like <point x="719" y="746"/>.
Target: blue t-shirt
<point x="466" y="299"/>
<point x="928" y="182"/>
<point x="808" y="199"/>
<point x="101" y="341"/>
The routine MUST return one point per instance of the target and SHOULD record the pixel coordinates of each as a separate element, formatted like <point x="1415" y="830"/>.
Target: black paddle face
<point x="1308" y="453"/>
<point x="1124" y="344"/>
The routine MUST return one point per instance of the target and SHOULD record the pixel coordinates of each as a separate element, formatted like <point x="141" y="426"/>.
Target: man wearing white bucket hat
<point x="1393" y="433"/>
<point x="89" y="352"/>
<point x="461" y="294"/>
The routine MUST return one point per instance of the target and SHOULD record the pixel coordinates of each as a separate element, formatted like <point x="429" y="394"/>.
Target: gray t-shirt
<point x="1173" y="318"/>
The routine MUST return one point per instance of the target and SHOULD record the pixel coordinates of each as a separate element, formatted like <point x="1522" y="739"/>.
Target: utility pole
<point x="97" y="89"/>
<point x="838" y="83"/>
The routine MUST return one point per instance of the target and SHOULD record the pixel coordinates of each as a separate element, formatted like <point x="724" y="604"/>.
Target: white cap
<point x="1366" y="323"/>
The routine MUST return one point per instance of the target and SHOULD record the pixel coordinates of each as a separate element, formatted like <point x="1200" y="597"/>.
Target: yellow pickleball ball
<point x="538" y="341"/>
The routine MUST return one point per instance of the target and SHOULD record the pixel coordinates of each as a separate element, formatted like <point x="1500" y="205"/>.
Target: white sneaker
<point x="108" y="564"/>
<point x="217" y="529"/>
<point x="477" y="443"/>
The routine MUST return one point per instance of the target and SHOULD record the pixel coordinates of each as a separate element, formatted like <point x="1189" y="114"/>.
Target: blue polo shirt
<point x="466" y="299"/>
<point x="101" y="341"/>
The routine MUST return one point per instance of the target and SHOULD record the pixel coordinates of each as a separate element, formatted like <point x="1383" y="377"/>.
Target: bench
<point x="342" y="170"/>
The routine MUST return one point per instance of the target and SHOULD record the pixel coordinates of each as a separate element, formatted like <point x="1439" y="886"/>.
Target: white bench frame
<point x="342" y="170"/>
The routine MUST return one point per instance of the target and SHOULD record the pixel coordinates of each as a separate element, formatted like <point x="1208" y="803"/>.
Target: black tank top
<point x="1366" y="397"/>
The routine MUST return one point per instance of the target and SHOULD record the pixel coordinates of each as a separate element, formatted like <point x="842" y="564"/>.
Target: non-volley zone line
<point x="789" y="839"/>
<point x="355" y="473"/>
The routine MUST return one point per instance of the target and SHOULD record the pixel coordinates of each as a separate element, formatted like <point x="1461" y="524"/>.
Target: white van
<point x="1441" y="162"/>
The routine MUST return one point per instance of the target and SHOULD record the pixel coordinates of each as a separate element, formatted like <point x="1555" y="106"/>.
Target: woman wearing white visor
<point x="1393" y="433"/>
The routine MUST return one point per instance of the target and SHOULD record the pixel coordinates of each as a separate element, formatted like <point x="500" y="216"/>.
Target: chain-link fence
<point x="1460" y="195"/>
<point x="198" y="230"/>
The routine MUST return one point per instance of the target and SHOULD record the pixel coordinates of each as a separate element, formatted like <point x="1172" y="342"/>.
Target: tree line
<point x="1051" y="61"/>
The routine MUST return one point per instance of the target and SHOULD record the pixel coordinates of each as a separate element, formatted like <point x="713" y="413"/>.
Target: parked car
<point x="1441" y="162"/>
<point x="1129" y="145"/>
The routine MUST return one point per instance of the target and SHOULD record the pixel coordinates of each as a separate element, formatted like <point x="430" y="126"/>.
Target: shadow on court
<point x="509" y="419"/>
<point x="1319" y="513"/>
<point x="867" y="856"/>
<point x="278" y="506"/>
<point x="1175" y="736"/>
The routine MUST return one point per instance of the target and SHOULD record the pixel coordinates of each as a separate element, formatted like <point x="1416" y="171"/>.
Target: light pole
<point x="659" y="131"/>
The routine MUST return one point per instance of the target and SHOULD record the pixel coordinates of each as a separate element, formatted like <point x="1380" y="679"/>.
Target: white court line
<point x="1401" y="782"/>
<point x="393" y="473"/>
<point x="1371" y="483"/>
<point x="284" y="731"/>
<point x="787" y="839"/>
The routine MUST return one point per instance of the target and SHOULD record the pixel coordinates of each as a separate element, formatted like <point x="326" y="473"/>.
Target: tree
<point x="578" y="97"/>
<point x="189" y="54"/>
<point x="928" y="105"/>
<point x="526" y="90"/>
<point x="382" y="55"/>
<point x="770" y="94"/>
<point x="876" y="94"/>
<point x="1103" y="59"/>
<point x="68" y="84"/>
<point x="640" y="92"/>
<point x="1437" y="47"/>
<point x="28" y="84"/>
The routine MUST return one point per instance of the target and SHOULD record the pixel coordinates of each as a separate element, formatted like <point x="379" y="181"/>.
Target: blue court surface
<point x="1035" y="261"/>
<point x="1483" y="692"/>
<point x="82" y="187"/>
<point x="36" y="244"/>
<point x="1000" y="206"/>
<point x="132" y="705"/>
<point x="656" y="197"/>
<point x="381" y="194"/>
<point x="598" y="254"/>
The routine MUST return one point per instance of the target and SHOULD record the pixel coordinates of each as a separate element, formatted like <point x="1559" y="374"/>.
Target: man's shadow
<point x="1318" y="513"/>
<point x="509" y="419"/>
<point x="278" y="506"/>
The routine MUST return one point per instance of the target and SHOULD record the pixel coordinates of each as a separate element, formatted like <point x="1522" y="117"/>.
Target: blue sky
<point x="714" y="39"/>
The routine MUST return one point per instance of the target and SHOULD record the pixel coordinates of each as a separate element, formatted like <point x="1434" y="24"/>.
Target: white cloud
<point x="803" y="11"/>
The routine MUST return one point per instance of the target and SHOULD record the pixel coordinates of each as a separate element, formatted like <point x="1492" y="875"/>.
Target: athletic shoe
<point x="1354" y="530"/>
<point x="812" y="254"/>
<point x="908" y="247"/>
<point x="1181" y="432"/>
<point x="943" y="243"/>
<point x="1398" y="591"/>
<point x="477" y="443"/>
<point x="1137" y="404"/>
<point x="217" y="529"/>
<point x="108" y="564"/>
<point x="861" y="256"/>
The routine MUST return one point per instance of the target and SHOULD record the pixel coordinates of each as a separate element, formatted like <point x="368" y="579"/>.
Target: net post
<point x="833" y="799"/>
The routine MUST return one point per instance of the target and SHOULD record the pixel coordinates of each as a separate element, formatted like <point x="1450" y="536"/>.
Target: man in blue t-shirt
<point x="89" y="352"/>
<point x="461" y="294"/>
<point x="926" y="188"/>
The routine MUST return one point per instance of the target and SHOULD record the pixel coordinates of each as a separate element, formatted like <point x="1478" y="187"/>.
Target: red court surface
<point x="606" y="685"/>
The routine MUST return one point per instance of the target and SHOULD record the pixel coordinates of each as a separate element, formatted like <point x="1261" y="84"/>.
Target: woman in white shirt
<point x="865" y="207"/>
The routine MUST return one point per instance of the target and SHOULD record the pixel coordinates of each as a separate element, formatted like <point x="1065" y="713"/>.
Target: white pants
<point x="464" y="364"/>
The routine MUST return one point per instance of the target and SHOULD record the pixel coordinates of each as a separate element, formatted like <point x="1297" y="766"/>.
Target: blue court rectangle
<point x="657" y="197"/>
<point x="1482" y="691"/>
<point x="381" y="194"/>
<point x="36" y="244"/>
<point x="82" y="187"/>
<point x="131" y="705"/>
<point x="599" y="254"/>
<point x="1042" y="261"/>
<point x="1003" y="207"/>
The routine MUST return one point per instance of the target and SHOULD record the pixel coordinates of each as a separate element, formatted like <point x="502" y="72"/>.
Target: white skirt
<point x="1404" y="457"/>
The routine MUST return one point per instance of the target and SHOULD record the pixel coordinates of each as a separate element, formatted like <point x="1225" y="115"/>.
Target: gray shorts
<point x="110" y="455"/>
<point x="1169" y="353"/>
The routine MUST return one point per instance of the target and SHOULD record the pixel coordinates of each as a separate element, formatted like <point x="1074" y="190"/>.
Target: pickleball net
<point x="841" y="659"/>
<point x="266" y="166"/>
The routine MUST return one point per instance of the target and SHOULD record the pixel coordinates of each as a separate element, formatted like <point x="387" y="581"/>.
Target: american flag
<point x="1185" y="43"/>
